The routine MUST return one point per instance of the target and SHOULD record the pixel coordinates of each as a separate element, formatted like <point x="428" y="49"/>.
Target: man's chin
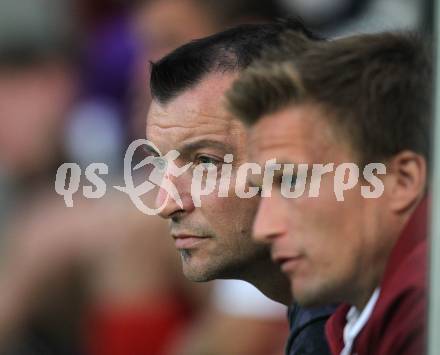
<point x="197" y="274"/>
<point x="310" y="297"/>
<point x="198" y="270"/>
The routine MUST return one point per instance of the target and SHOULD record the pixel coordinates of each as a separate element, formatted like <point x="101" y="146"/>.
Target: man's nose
<point x="270" y="221"/>
<point x="168" y="204"/>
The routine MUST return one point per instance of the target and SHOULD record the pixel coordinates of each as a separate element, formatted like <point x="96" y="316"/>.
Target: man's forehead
<point x="184" y="113"/>
<point x="204" y="101"/>
<point x="295" y="132"/>
<point x="197" y="114"/>
<point x="182" y="122"/>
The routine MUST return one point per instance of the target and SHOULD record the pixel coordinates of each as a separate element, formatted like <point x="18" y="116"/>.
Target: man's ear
<point x="409" y="179"/>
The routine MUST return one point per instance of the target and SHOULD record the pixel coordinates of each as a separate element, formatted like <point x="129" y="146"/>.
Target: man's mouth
<point x="288" y="263"/>
<point x="188" y="241"/>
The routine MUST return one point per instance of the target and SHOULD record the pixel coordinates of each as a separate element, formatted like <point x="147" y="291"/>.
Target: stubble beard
<point x="226" y="268"/>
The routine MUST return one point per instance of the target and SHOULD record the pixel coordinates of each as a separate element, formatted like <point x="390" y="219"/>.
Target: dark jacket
<point x="307" y="335"/>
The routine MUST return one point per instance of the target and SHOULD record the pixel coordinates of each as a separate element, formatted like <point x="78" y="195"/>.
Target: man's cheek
<point x="210" y="202"/>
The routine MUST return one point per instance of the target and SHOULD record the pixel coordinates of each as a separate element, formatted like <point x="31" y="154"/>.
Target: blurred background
<point x="103" y="278"/>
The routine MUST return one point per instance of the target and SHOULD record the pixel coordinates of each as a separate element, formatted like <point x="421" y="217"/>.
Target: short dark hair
<point x="228" y="51"/>
<point x="374" y="88"/>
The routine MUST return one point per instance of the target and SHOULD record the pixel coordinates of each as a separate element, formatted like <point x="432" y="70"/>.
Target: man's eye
<point x="207" y="160"/>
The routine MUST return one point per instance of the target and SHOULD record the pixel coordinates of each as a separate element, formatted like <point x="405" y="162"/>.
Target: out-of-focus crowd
<point x="103" y="278"/>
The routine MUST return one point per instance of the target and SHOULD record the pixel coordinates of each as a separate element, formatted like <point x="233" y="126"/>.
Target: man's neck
<point x="368" y="284"/>
<point x="269" y="279"/>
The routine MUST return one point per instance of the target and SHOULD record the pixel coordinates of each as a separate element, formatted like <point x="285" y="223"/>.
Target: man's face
<point x="329" y="249"/>
<point x="213" y="239"/>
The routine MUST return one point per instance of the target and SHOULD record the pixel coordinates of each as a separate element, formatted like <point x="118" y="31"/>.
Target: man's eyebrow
<point x="206" y="143"/>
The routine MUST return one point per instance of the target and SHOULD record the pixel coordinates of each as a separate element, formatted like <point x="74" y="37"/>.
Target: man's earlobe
<point x="409" y="172"/>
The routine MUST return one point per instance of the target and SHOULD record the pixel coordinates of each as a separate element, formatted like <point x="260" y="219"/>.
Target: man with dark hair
<point x="363" y="99"/>
<point x="226" y="52"/>
<point x="187" y="115"/>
